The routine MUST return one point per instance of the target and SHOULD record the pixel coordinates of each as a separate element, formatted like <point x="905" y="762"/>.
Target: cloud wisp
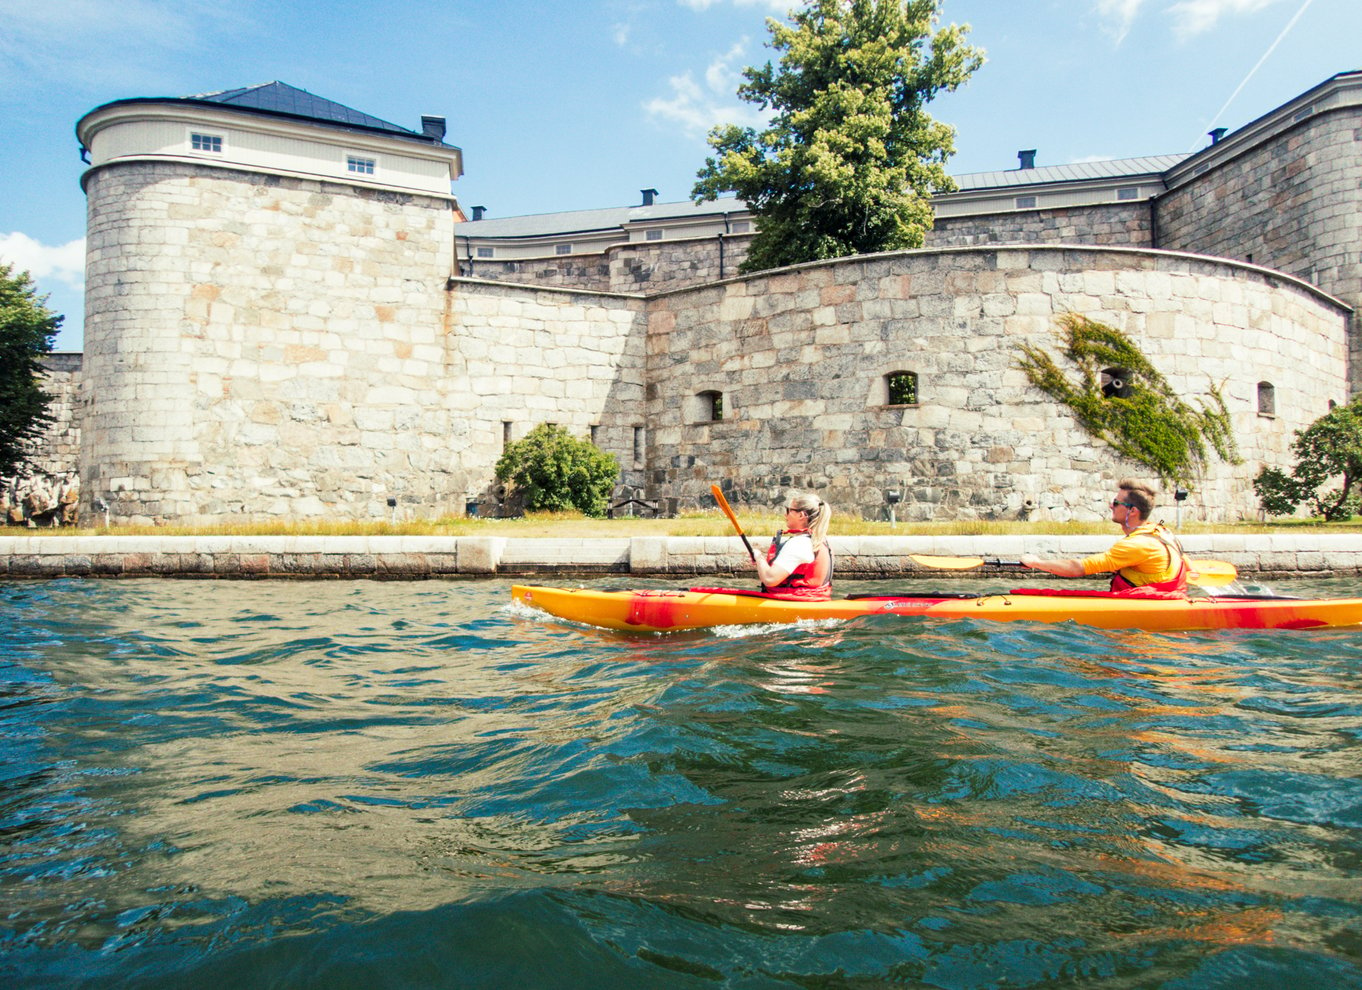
<point x="697" y="106"/>
<point x="45" y="262"/>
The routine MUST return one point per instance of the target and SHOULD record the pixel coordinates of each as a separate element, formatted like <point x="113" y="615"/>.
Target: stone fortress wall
<point x="801" y="358"/>
<point x="275" y="346"/>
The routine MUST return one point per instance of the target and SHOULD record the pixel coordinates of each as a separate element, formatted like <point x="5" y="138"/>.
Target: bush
<point x="553" y="470"/>
<point x="1329" y="448"/>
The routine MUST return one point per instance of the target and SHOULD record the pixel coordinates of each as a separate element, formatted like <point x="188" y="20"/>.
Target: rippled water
<point x="417" y="785"/>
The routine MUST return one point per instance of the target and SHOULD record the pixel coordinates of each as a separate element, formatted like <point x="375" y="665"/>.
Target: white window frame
<point x="356" y="164"/>
<point x="197" y="138"/>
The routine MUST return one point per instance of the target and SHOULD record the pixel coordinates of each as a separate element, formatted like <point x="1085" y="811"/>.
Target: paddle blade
<point x="728" y="511"/>
<point x="1210" y="573"/>
<point x="946" y="563"/>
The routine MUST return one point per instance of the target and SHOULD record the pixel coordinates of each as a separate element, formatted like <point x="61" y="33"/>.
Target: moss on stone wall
<point x="1122" y="399"/>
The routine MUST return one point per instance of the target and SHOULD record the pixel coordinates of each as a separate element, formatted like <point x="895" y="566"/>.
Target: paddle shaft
<point x="723" y="504"/>
<point x="1204" y="572"/>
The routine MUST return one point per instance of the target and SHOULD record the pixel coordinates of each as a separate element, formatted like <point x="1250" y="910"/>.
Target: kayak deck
<point x="660" y="610"/>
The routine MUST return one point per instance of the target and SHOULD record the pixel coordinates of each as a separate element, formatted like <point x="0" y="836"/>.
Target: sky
<point x="580" y="104"/>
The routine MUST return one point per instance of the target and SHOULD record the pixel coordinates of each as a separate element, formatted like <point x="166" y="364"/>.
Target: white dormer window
<point x="359" y="166"/>
<point x="206" y="142"/>
<point x="1025" y="202"/>
<point x="1128" y="192"/>
<point x="485" y="252"/>
<point x="562" y="249"/>
<point x="654" y="235"/>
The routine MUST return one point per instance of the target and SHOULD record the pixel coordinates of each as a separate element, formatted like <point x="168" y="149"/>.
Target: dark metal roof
<point x="1123" y="168"/>
<point x="596" y="221"/>
<point x="278" y="97"/>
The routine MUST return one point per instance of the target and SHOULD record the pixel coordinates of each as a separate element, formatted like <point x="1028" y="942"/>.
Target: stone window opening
<point x="1267" y="399"/>
<point x="638" y="445"/>
<point x="1116" y="383"/>
<point x="900" y="388"/>
<point x="705" y="407"/>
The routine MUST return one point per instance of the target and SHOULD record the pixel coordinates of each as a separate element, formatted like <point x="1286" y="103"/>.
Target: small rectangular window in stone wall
<point x="901" y="388"/>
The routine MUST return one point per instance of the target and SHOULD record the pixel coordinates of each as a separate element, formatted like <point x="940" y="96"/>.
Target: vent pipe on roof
<point x="648" y="196"/>
<point x="433" y="128"/>
<point x="1217" y="134"/>
<point x="1027" y="158"/>
<point x="478" y="212"/>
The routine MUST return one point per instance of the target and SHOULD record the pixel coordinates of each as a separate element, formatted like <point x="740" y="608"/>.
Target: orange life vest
<point x="1176" y="584"/>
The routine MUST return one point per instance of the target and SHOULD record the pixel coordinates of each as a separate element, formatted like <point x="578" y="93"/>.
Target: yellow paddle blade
<point x="1210" y="573"/>
<point x="947" y="563"/>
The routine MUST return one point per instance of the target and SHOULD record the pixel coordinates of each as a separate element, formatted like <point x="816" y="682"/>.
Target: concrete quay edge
<point x="415" y="557"/>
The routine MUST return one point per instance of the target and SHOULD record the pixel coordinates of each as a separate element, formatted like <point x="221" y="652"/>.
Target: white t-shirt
<point x="797" y="549"/>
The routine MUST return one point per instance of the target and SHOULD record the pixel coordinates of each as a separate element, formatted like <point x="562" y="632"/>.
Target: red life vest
<point x="807" y="582"/>
<point x="1177" y="584"/>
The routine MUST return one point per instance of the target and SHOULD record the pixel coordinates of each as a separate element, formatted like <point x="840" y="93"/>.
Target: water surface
<point x="363" y="784"/>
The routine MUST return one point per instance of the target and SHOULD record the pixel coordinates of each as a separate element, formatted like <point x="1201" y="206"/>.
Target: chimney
<point x="1027" y="159"/>
<point x="1217" y="134"/>
<point x="478" y="212"/>
<point x="433" y="128"/>
<point x="648" y="196"/>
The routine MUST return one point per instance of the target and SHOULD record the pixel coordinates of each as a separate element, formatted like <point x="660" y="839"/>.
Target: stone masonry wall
<point x="1115" y="225"/>
<point x="1291" y="204"/>
<point x="59" y="452"/>
<point x="640" y="266"/>
<point x="290" y="349"/>
<point x="265" y="347"/>
<point x="800" y="359"/>
<point x="520" y="357"/>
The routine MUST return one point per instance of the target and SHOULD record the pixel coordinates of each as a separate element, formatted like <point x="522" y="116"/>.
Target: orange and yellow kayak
<point x="674" y="610"/>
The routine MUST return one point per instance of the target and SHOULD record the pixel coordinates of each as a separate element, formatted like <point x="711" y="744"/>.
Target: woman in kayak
<point x="799" y="562"/>
<point x="1148" y="557"/>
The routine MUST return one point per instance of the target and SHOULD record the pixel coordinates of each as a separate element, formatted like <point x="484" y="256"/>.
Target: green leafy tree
<point x="27" y="330"/>
<point x="1329" y="448"/>
<point x="851" y="157"/>
<point x="1149" y="423"/>
<point x="555" y="471"/>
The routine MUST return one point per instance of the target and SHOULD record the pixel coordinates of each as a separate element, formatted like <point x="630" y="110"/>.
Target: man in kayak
<point x="1148" y="557"/>
<point x="799" y="563"/>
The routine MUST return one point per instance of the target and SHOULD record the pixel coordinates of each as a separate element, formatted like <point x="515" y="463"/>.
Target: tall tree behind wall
<point x="27" y="330"/>
<point x="851" y="157"/>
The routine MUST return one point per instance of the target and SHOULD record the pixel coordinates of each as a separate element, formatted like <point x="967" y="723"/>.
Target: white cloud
<point x="1121" y="15"/>
<point x="1189" y="17"/>
<point x="46" y="263"/>
<point x="698" y="107"/>
<point x="1193" y="17"/>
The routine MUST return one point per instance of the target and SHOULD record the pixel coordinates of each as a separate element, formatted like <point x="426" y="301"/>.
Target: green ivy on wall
<point x="1146" y="422"/>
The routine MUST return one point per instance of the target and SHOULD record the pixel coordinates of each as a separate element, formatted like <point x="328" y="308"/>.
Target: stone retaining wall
<point x="417" y="557"/>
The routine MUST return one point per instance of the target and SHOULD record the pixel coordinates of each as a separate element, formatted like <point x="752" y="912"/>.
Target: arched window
<point x="901" y="388"/>
<point x="705" y="407"/>
<point x="1267" y="399"/>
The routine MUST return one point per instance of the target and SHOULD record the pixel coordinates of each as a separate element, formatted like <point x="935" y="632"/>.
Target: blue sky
<point x="578" y="104"/>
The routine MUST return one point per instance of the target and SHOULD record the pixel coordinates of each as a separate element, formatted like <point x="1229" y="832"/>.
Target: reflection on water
<point x="369" y="784"/>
